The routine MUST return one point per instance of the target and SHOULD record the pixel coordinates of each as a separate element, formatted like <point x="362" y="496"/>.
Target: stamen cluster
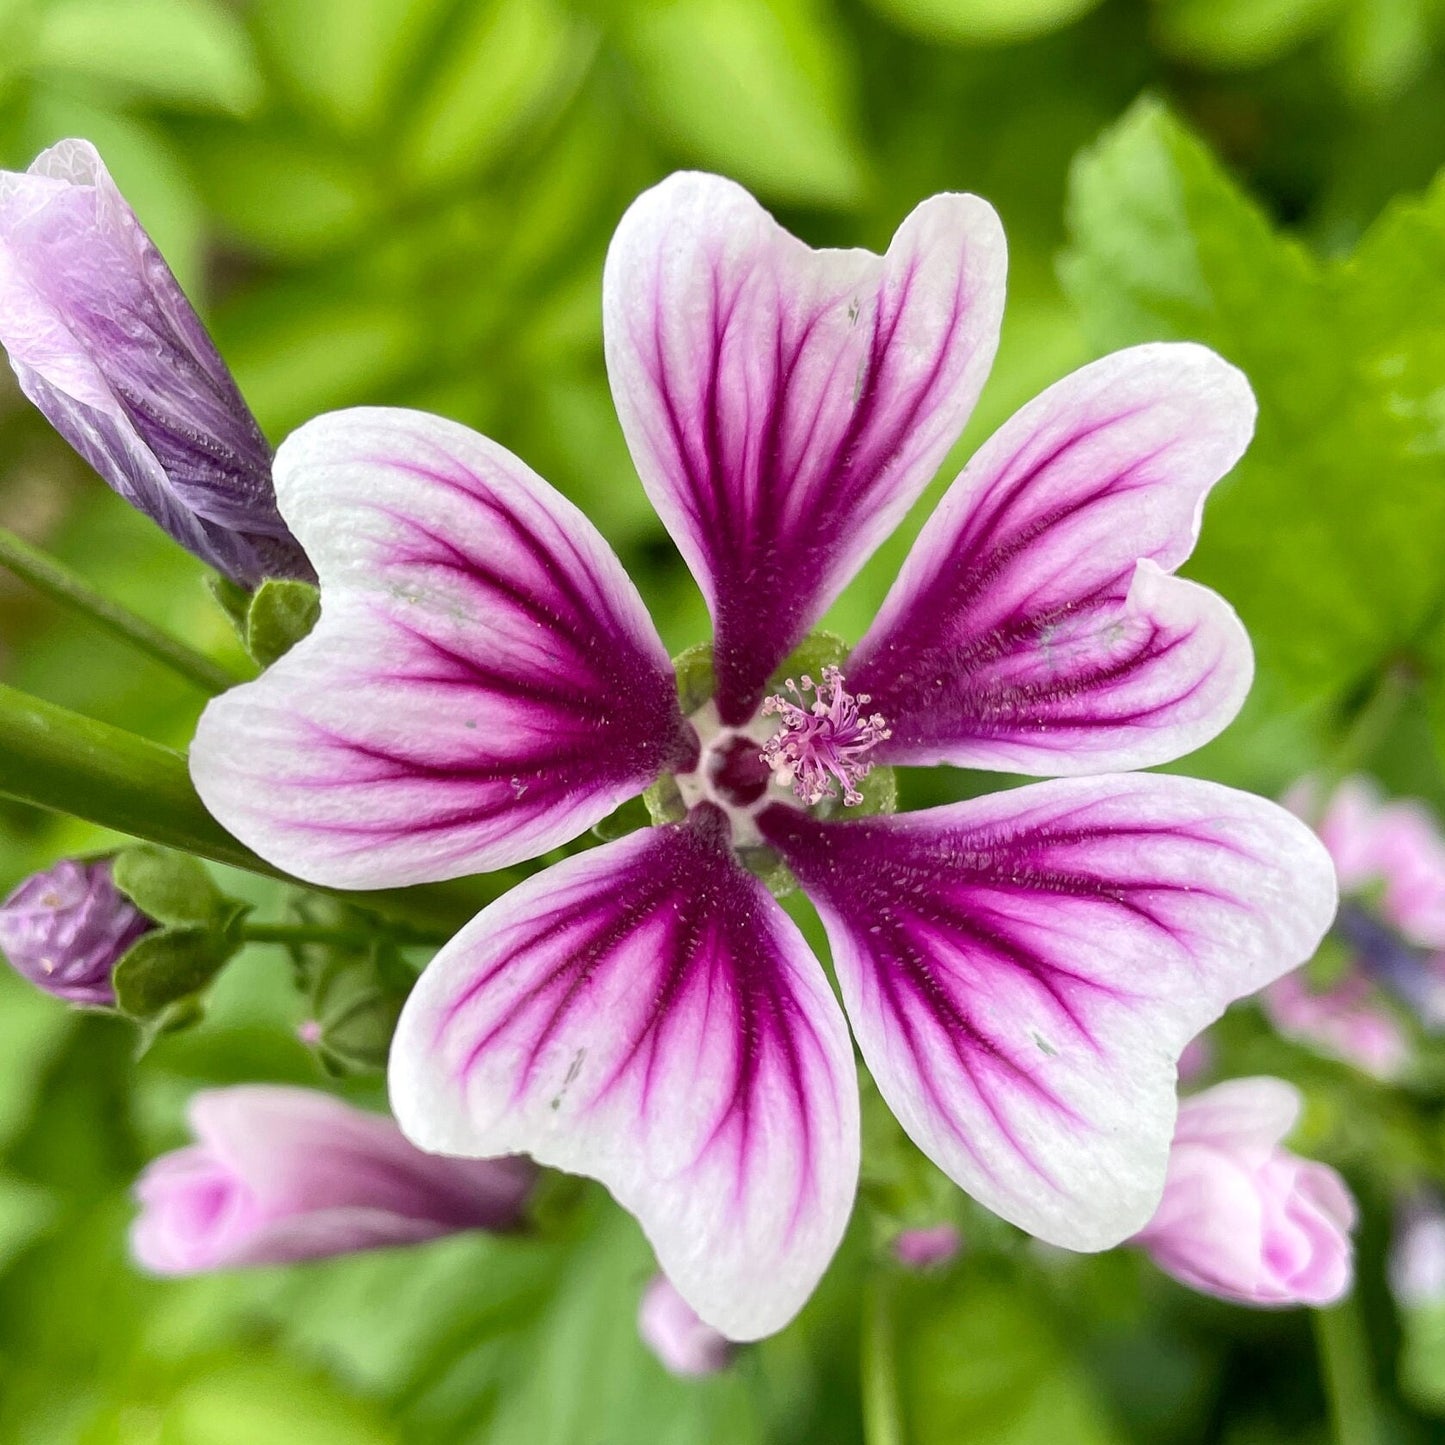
<point x="824" y="740"/>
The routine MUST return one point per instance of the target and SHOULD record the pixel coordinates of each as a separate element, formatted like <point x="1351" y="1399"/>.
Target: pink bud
<point x="282" y="1174"/>
<point x="681" y="1341"/>
<point x="926" y="1248"/>
<point x="1242" y="1218"/>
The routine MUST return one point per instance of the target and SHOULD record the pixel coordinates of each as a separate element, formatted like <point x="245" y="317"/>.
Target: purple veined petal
<point x="646" y="1014"/>
<point x="786" y="406"/>
<point x="1022" y="972"/>
<point x="1035" y="627"/>
<point x="484" y="682"/>
<point x="104" y="342"/>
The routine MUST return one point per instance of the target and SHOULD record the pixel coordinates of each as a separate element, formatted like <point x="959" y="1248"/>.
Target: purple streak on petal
<point x="645" y="1014"/>
<point x="484" y="682"/>
<point x="278" y="1175"/>
<point x="785" y="406"/>
<point x="104" y="342"/>
<point x="1023" y="970"/>
<point x="1035" y="626"/>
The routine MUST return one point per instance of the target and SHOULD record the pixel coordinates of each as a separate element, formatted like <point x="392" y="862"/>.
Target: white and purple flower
<point x="1021" y="971"/>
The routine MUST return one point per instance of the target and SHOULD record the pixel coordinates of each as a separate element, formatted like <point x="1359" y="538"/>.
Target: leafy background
<point x="408" y="202"/>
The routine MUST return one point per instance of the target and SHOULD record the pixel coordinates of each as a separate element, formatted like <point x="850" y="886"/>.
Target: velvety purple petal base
<point x="646" y="1014"/>
<point x="484" y="682"/>
<point x="1022" y="972"/>
<point x="786" y="406"/>
<point x="1035" y="626"/>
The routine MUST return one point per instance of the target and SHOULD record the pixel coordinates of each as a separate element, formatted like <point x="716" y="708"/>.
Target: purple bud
<point x="672" y="1331"/>
<point x="927" y="1248"/>
<point x="104" y="342"/>
<point x="66" y="928"/>
<point x="278" y="1175"/>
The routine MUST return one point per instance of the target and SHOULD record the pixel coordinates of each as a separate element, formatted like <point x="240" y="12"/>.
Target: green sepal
<point x="172" y="888"/>
<point x="233" y="599"/>
<point x="663" y="801"/>
<point x="355" y="990"/>
<point x="162" y="969"/>
<point x="696" y="679"/>
<point x="815" y="652"/>
<point x="631" y="816"/>
<point x="280" y="614"/>
<point x="767" y="864"/>
<point x="184" y="1013"/>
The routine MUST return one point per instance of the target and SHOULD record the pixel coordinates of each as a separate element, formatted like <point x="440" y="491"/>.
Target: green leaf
<point x="282" y="613"/>
<point x="172" y="888"/>
<point x="1231" y="33"/>
<point x="1326" y="537"/>
<point x="979" y="1361"/>
<point x="191" y="54"/>
<point x="758" y="89"/>
<point x="981" y="22"/>
<point x="168" y="967"/>
<point x="1422" y="1357"/>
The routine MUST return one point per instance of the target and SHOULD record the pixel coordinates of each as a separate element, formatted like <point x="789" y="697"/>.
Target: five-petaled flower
<point x="1021" y="971"/>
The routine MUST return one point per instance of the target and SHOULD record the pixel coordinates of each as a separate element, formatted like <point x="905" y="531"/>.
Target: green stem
<point x="58" y="582"/>
<point x="1345" y="1367"/>
<point x="1371" y="722"/>
<point x="54" y="758"/>
<point x="882" y="1416"/>
<point x="318" y="933"/>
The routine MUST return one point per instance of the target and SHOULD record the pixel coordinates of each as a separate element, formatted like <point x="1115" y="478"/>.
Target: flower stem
<point x="1369" y="724"/>
<point x="54" y="758"/>
<point x="318" y="933"/>
<point x="882" y="1417"/>
<point x="58" y="582"/>
<point x="1345" y="1369"/>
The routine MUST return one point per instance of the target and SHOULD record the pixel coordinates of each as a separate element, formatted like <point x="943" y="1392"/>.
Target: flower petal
<point x="786" y="406"/>
<point x="484" y="682"/>
<point x="1023" y="970"/>
<point x="647" y="1015"/>
<point x="1035" y="627"/>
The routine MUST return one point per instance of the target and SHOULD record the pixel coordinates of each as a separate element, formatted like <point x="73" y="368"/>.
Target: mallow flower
<point x="1386" y="958"/>
<point x="279" y="1174"/>
<point x="1242" y="1217"/>
<point x="683" y="1344"/>
<point x="104" y="342"/>
<point x="1021" y="971"/>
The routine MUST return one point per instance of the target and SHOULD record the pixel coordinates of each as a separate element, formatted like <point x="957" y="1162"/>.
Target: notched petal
<point x="786" y="406"/>
<point x="484" y="682"/>
<point x="646" y="1015"/>
<point x="1036" y="626"/>
<point x="1022" y="972"/>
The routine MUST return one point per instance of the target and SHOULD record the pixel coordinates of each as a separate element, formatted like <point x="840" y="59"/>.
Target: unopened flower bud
<point x="66" y="928"/>
<point x="104" y="342"/>
<point x="927" y="1248"/>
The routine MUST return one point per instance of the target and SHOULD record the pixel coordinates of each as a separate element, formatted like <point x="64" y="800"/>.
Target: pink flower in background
<point x="1391" y="925"/>
<point x="1243" y="1218"/>
<point x="278" y="1175"/>
<point x="1021" y="971"/>
<point x="1417" y="1252"/>
<point x="672" y="1331"/>
<point x="927" y="1248"/>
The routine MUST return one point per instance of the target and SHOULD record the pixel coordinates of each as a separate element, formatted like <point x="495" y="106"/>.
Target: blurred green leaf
<point x="983" y="1362"/>
<point x="981" y="22"/>
<point x="1422" y="1357"/>
<point x="1239" y="32"/>
<point x="1326" y="535"/>
<point x="191" y="54"/>
<point x="759" y="89"/>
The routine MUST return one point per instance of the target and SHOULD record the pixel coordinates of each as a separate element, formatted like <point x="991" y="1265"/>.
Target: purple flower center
<point x="824" y="742"/>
